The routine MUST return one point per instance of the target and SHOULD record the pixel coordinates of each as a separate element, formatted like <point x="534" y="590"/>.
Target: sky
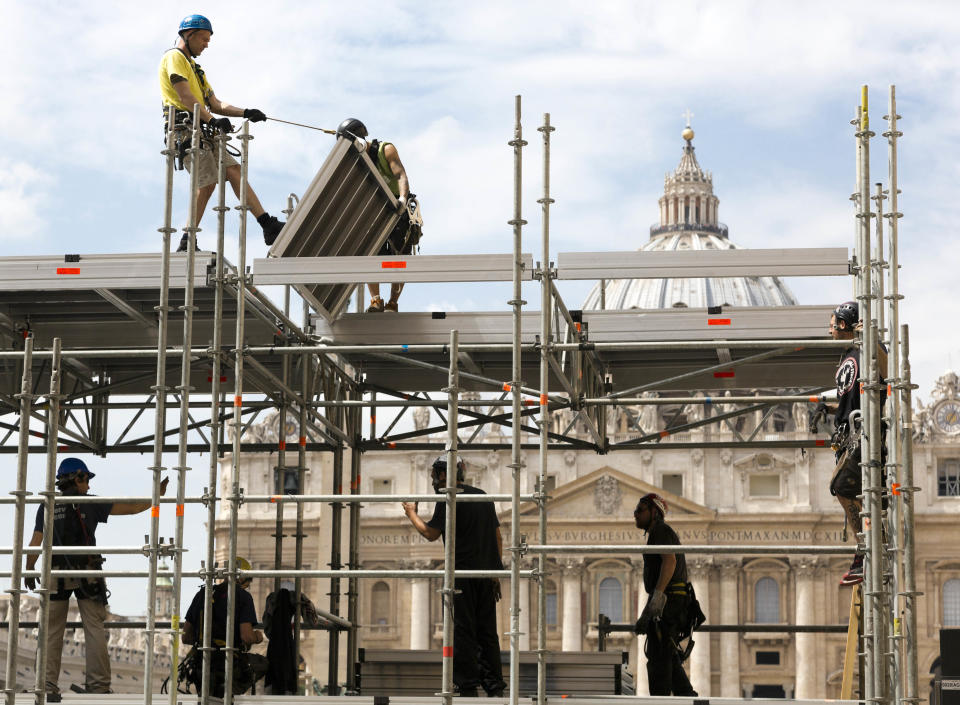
<point x="772" y="87"/>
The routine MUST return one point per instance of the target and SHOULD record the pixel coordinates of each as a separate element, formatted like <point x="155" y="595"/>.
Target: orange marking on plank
<point x="718" y="321"/>
<point x="393" y="265"/>
<point x="726" y="374"/>
<point x="68" y="270"/>
<point x="820" y="443"/>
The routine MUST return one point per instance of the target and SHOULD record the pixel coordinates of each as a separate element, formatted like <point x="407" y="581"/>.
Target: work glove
<point x="819" y="413"/>
<point x="497" y="592"/>
<point x="223" y="124"/>
<point x="652" y="611"/>
<point x="254" y="115"/>
<point x="31" y="583"/>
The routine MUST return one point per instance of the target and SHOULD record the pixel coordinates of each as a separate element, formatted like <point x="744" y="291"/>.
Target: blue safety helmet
<point x="194" y="22"/>
<point x="71" y="466"/>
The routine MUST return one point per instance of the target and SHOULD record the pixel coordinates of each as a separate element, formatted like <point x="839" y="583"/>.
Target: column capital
<point x="420" y="564"/>
<point x="572" y="566"/>
<point x="729" y="567"/>
<point x="808" y="566"/>
<point x="700" y="566"/>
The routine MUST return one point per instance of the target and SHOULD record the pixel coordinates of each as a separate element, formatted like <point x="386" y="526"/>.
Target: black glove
<point x="254" y="115"/>
<point x="31" y="583"/>
<point x="497" y="593"/>
<point x="222" y="124"/>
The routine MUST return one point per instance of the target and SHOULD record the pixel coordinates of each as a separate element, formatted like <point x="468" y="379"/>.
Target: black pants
<point x="476" y="645"/>
<point x="665" y="673"/>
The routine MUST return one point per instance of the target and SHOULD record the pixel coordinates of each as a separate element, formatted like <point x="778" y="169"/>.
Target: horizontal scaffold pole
<point x="700" y="549"/>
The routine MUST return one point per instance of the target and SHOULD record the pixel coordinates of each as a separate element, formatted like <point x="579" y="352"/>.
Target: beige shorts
<point x="208" y="163"/>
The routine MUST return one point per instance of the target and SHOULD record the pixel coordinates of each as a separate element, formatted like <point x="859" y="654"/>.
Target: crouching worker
<point x="247" y="668"/>
<point x="672" y="610"/>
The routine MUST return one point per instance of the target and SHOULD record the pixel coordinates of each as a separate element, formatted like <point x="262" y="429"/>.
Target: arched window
<point x="766" y="601"/>
<point x="610" y="598"/>
<point x="951" y="603"/>
<point x="551" y="588"/>
<point x="380" y="605"/>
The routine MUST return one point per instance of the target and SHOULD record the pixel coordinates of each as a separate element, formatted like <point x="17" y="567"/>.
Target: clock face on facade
<point x="947" y="416"/>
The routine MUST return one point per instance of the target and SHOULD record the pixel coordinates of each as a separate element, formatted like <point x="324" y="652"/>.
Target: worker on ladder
<point x="847" y="485"/>
<point x="184" y="85"/>
<point x="406" y="233"/>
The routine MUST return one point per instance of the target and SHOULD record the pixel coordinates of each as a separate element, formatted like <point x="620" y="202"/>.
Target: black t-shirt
<point x="246" y="612"/>
<point x="848" y="385"/>
<point x="662" y="534"/>
<point x="477" y="524"/>
<point x="74" y="525"/>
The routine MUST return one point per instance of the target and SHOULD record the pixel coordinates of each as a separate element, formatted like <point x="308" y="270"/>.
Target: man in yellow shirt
<point x="184" y="85"/>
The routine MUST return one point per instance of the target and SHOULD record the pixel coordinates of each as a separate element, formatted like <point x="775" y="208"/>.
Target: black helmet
<point x="352" y="128"/>
<point x="848" y="312"/>
<point x="440" y="465"/>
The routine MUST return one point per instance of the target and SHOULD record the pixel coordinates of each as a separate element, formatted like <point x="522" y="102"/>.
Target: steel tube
<point x="301" y="478"/>
<point x="234" y="497"/>
<point x="450" y="526"/>
<point x="46" y="559"/>
<point x="516" y="385"/>
<point x="285" y="573"/>
<point x="546" y="351"/>
<point x="184" y="388"/>
<point x="911" y="689"/>
<point x="353" y="548"/>
<point x="20" y="493"/>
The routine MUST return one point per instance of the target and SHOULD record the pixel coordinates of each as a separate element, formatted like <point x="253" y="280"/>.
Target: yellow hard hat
<point x="243" y="564"/>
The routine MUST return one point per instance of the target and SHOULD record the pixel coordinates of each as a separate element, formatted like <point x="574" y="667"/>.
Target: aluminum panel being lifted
<point x="797" y="262"/>
<point x="348" y="210"/>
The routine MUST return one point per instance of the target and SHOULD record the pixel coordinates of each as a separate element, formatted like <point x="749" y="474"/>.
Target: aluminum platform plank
<point x="388" y="270"/>
<point x="98" y="271"/>
<point x="347" y="210"/>
<point x="792" y="262"/>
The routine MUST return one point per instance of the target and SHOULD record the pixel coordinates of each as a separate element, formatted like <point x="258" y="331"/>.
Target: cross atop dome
<point x="687" y="133"/>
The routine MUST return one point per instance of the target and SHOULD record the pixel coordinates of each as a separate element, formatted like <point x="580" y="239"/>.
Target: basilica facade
<point x="777" y="497"/>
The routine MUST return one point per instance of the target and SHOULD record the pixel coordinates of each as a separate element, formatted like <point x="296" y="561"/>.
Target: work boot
<point x="376" y="305"/>
<point x="390" y="306"/>
<point x="855" y="574"/>
<point x="271" y="228"/>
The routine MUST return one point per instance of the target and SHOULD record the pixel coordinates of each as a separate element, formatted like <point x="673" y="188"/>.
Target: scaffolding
<point x="593" y="360"/>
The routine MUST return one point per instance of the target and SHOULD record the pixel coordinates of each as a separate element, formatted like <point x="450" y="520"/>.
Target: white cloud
<point x="24" y="198"/>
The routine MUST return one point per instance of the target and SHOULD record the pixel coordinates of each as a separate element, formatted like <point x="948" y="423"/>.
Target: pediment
<point x="610" y="494"/>
<point x="763" y="461"/>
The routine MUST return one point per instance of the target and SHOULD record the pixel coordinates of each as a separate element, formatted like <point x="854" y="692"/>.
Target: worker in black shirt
<point x="479" y="546"/>
<point x="666" y="614"/>
<point x="847" y="484"/>
<point x="248" y="668"/>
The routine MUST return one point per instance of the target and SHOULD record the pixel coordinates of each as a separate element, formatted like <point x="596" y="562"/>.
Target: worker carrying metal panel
<point x="358" y="204"/>
<point x="183" y="84"/>
<point x="405" y="235"/>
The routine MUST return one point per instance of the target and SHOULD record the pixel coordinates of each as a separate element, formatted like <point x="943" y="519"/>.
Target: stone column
<point x="699" y="570"/>
<point x="806" y="569"/>
<point x="524" y="610"/>
<point x="572" y="626"/>
<point x="637" y="659"/>
<point x="420" y="608"/>
<point x="730" y="641"/>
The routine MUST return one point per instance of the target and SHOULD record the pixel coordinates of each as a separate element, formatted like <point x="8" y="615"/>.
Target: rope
<point x="300" y="124"/>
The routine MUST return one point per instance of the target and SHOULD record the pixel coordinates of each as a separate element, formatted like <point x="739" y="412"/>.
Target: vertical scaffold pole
<point x="215" y="423"/>
<point x="301" y="475"/>
<point x="516" y="383"/>
<point x="862" y="200"/>
<point x="336" y="541"/>
<point x="20" y="493"/>
<point x="280" y="472"/>
<point x="450" y="522"/>
<point x="353" y="547"/>
<point x="239" y="346"/>
<point x="184" y="388"/>
<point x="546" y="339"/>
<point x="49" y="492"/>
<point x="909" y="594"/>
<point x="160" y="390"/>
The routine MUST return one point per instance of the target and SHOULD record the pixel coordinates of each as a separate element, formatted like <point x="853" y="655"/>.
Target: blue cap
<point x="69" y="466"/>
<point x="195" y="22"/>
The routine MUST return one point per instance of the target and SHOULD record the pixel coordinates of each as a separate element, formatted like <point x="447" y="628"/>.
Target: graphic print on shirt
<point x="847" y="375"/>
